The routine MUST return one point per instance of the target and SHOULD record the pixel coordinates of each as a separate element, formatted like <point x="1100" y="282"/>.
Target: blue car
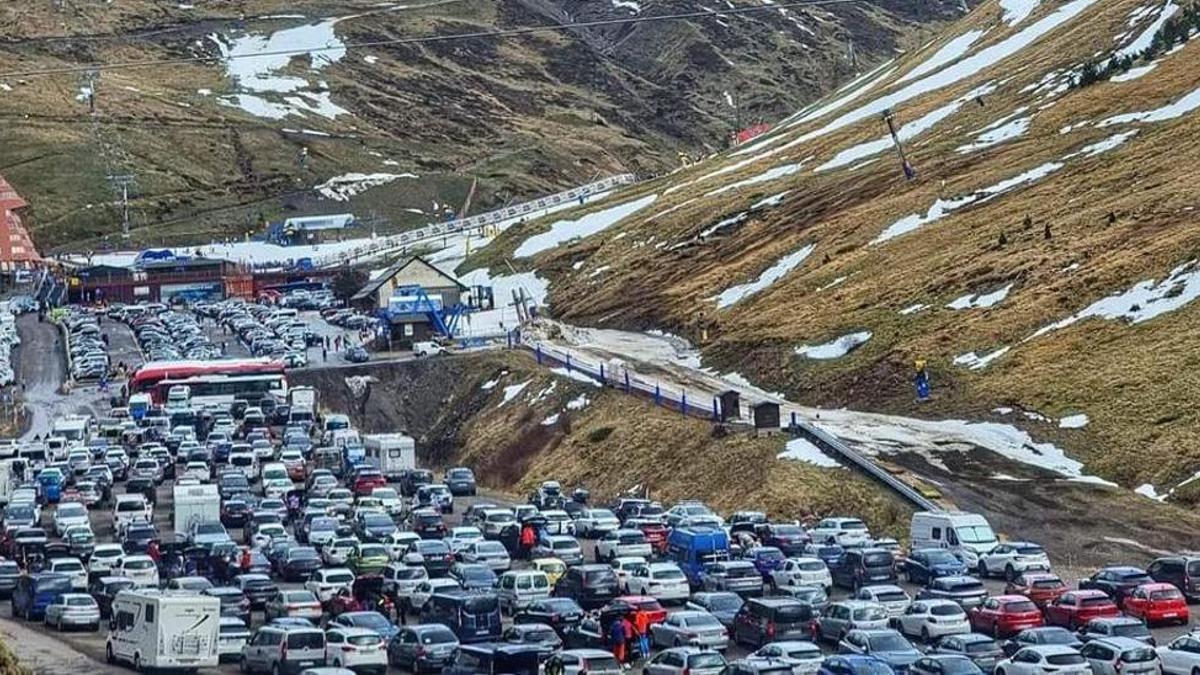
<point x="370" y="620"/>
<point x="886" y="645"/>
<point x="854" y="664"/>
<point x="766" y="559"/>
<point x="926" y="564"/>
<point x="52" y="481"/>
<point x="830" y="554"/>
<point x="35" y="592"/>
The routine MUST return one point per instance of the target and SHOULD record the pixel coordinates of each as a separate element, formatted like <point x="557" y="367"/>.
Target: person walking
<point x="616" y="637"/>
<point x="627" y="629"/>
<point x="528" y="539"/>
<point x="641" y="624"/>
<point x="325" y="352"/>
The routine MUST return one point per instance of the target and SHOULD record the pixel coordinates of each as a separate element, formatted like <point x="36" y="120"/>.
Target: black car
<point x="981" y="649"/>
<point x="375" y="527"/>
<point x="235" y="513"/>
<point x="1044" y="635"/>
<point x="1182" y="571"/>
<point x="1116" y="581"/>
<point x="763" y="620"/>
<point x="258" y="588"/>
<point x="488" y="658"/>
<point x="105" y="589"/>
<point x="545" y="638"/>
<point x="786" y="537"/>
<point x="357" y="354"/>
<point x="864" y="567"/>
<point x="461" y="481"/>
<point x="233" y="602"/>
<point x="436" y="556"/>
<point x="590" y="585"/>
<point x="413" y="479"/>
<point x="138" y="536"/>
<point x="473" y="576"/>
<point x="298" y="563"/>
<point x="559" y="613"/>
<point x="428" y="524"/>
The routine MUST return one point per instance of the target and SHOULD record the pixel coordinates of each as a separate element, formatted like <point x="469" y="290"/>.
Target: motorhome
<point x="164" y="630"/>
<point x="393" y="454"/>
<point x="967" y="535"/>
<point x="73" y="428"/>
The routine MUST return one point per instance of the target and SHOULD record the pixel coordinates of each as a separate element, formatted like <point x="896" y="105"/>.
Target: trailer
<point x="195" y="504"/>
<point x="164" y="630"/>
<point x="392" y="454"/>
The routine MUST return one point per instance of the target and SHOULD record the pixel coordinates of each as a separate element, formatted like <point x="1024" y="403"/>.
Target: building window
<point x="408" y="330"/>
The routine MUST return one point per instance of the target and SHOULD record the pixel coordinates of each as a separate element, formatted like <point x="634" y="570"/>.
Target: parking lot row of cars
<point x="263" y="329"/>
<point x="86" y="346"/>
<point x="166" y="334"/>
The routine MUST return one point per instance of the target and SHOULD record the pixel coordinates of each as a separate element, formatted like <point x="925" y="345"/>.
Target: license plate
<point x="1171" y="615"/>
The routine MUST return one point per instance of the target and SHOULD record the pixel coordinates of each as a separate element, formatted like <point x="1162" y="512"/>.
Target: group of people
<point x="625" y="635"/>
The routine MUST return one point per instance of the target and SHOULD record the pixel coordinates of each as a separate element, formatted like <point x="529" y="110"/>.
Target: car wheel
<point x="109" y="657"/>
<point x="275" y="669"/>
<point x="137" y="663"/>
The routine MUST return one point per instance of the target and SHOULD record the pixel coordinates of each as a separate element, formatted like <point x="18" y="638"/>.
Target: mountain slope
<point x="217" y="145"/>
<point x="808" y="263"/>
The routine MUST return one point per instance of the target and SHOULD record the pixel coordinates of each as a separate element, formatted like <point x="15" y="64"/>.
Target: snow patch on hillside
<point x="1077" y="421"/>
<point x="563" y="231"/>
<point x="1144" y="301"/>
<point x="1134" y="73"/>
<point x="836" y="348"/>
<point x="1005" y="132"/>
<point x="1183" y="106"/>
<point x="973" y="301"/>
<point x="343" y="188"/>
<point x="775" y="272"/>
<point x="1146" y="37"/>
<point x="764" y="177"/>
<point x="801" y="450"/>
<point x="974" y="361"/>
<point x="1016" y="11"/>
<point x="514" y="390"/>
<point x="949" y="52"/>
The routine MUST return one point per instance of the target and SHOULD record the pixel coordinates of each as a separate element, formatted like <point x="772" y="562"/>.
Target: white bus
<point x="164" y="630"/>
<point x="219" y="391"/>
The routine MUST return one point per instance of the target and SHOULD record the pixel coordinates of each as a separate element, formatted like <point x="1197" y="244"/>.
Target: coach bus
<point x="212" y="384"/>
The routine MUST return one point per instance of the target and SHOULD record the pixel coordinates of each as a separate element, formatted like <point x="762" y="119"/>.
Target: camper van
<point x="393" y="454"/>
<point x="967" y="535"/>
<point x="139" y="405"/>
<point x="73" y="428"/>
<point x="164" y="630"/>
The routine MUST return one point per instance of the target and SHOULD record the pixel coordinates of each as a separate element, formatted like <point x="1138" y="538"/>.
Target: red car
<point x="654" y="531"/>
<point x="368" y="481"/>
<point x="1157" y="603"/>
<point x="1075" y="608"/>
<point x="643" y="604"/>
<point x="1042" y="588"/>
<point x="1005" y="615"/>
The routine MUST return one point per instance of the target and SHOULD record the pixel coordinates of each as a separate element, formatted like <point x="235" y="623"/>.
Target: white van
<point x="274" y="471"/>
<point x="427" y="349"/>
<point x="518" y="588"/>
<point x="163" y="630"/>
<point x="967" y="535"/>
<point x="178" y="397"/>
<point x="130" y="508"/>
<point x="56" y="446"/>
<point x="245" y="461"/>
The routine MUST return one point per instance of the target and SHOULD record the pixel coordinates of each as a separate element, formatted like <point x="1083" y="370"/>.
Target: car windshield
<point x="302" y="553"/>
<point x="668" y="573"/>
<point x="940" y="557"/>
<point x="958" y="666"/>
<point x="71" y="511"/>
<point x="788" y="530"/>
<point x="378" y="520"/>
<point x="891" y="596"/>
<point x="432" y="547"/>
<point x="564" y="544"/>
<point x="373" y="620"/>
<point x="975" y="534"/>
<point x="210" y="528"/>
<point x="880" y="559"/>
<point x="811" y="566"/>
<point x="481" y="604"/>
<point x="339" y="577"/>
<point x="1022" y="607"/>
<point x="980" y="647"/>
<point x="705" y="660"/>
<point x="1030" y="549"/>
<point x="233" y="629"/>
<point x="478" y="573"/>
<point x="373" y="551"/>
<point x="1065" y="660"/>
<point x="888" y="642"/>
<point x="298" y="640"/>
<point x="1098" y="601"/>
<point x="599" y="576"/>
<point x="541" y="635"/>
<point x="1134" y="577"/>
<point x="1130" y="630"/>
<point x="702" y="620"/>
<point x="323" y="524"/>
<point x="138" y="564"/>
<point x="1048" y="583"/>
<point x="964" y="587"/>
<point x="1138" y="655"/>
<point x="946" y="610"/>
<point x="87" y="601"/>
<point x="1166" y="594"/>
<point x="1057" y="636"/>
<point x="410" y="573"/>
<point x="870" y="667"/>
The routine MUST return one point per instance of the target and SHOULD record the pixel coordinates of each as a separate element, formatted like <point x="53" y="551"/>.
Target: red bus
<point x="225" y="379"/>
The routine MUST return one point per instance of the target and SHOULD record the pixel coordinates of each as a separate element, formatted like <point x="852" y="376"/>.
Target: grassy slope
<point x="1134" y="381"/>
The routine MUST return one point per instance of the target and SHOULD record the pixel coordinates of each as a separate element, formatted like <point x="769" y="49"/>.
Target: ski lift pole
<point x="890" y="118"/>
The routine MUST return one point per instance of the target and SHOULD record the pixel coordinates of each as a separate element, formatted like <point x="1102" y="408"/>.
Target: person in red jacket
<point x="528" y="539"/>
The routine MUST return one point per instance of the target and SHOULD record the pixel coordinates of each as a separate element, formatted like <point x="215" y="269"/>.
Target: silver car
<point x="842" y="617"/>
<point x="804" y="657"/>
<point x="686" y="661"/>
<point x="1121" y="656"/>
<point x="690" y="628"/>
<point x="73" y="610"/>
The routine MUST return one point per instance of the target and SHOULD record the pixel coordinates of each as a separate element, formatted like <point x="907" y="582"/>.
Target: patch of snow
<point x="578" y="403"/>
<point x="1146" y="37"/>
<point x="370" y="59"/>
<point x="1003" y="410"/>
<point x="940" y="209"/>
<point x="1147" y="490"/>
<point x="835" y="282"/>
<point x="1134" y="73"/>
<point x="1183" y="106"/>
<point x="630" y="5"/>
<point x="541" y="395"/>
<point x="836" y="348"/>
<point x="578" y="264"/>
<point x="342" y="188"/>
<point x="1069" y="268"/>
<point x="489" y="385"/>
<point x="562" y="231"/>
<point x="1005" y="476"/>
<point x="1111" y="143"/>
<point x="514" y="390"/>
<point x="949" y="52"/>
<point x="503" y="317"/>
<point x="769" y="202"/>
<point x="973" y="301"/>
<point x="1005" y="132"/>
<point x="550" y="421"/>
<point x="974" y="361"/>
<point x="775" y="272"/>
<point x="801" y="450"/>
<point x="575" y="375"/>
<point x="856" y="90"/>
<point x="204" y="92"/>
<point x="1077" y="421"/>
<point x="729" y="99"/>
<point x="766" y="176"/>
<point x="1035" y="416"/>
<point x="598" y="271"/>
<point x="1146" y="300"/>
<point x="1016" y="11"/>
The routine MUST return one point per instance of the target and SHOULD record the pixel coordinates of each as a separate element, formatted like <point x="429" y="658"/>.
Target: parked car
<point x="685" y="661"/>
<point x="1041" y="588"/>
<point x="1046" y="635"/>
<point x="844" y="616"/>
<point x="1116" y="626"/>
<point x="1115" y="581"/>
<point x="981" y="649"/>
<point x="924" y="565"/>
<point x="690" y="628"/>
<point x="1181" y="656"/>
<point x="73" y="610"/>
<point x="1045" y="660"/>
<point x="802" y="572"/>
<point x="1010" y="560"/>
<point x="802" y="656"/>
<point x="1075" y="608"/>
<point x="422" y="648"/>
<point x="884" y="644"/>
<point x="1181" y="571"/>
<point x="763" y="620"/>
<point x="1121" y="656"/>
<point x="1157" y="603"/>
<point x="966" y="591"/>
<point x="1005" y="615"/>
<point x="931" y="619"/>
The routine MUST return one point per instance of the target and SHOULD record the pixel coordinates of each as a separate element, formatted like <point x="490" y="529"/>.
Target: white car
<point x="139" y="568"/>
<point x="593" y="523"/>
<point x="68" y="514"/>
<point x="660" y="580"/>
<point x="398" y="542"/>
<point x="393" y="504"/>
<point x="425" y="590"/>
<point x="104" y="556"/>
<point x="267" y="533"/>
<point x="337" y="552"/>
<point x="493" y="521"/>
<point x="130" y="508"/>
<point x="804" y="657"/>
<point x="623" y="543"/>
<point x="625" y="567"/>
<point x="1044" y="660"/>
<point x="558" y="522"/>
<point x="490" y="553"/>
<point x="685" y="511"/>
<point x="401" y="579"/>
<point x="427" y="349"/>
<point x="802" y="572"/>
<point x="462" y="536"/>
<point x="1181" y="656"/>
<point x="327" y="581"/>
<point x="72" y="567"/>
<point x="232" y="636"/>
<point x="843" y="531"/>
<point x="197" y="470"/>
<point x="893" y="598"/>
<point x="932" y="619"/>
<point x="355" y="649"/>
<point x="1014" y="559"/>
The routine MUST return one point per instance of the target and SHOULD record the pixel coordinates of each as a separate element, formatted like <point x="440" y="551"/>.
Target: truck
<point x="195" y="503"/>
<point x="164" y="630"/>
<point x="694" y="548"/>
<point x="392" y="454"/>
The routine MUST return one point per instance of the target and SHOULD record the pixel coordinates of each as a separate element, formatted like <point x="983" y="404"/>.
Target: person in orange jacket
<point x="641" y="624"/>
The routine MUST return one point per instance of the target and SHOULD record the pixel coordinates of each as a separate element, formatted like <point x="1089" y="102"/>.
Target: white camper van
<point x="967" y="535"/>
<point x="164" y="630"/>
<point x="392" y="454"/>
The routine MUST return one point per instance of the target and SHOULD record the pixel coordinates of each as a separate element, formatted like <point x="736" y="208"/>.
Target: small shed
<point x="766" y="417"/>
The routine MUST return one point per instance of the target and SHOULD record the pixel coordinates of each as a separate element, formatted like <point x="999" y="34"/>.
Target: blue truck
<point x="692" y="548"/>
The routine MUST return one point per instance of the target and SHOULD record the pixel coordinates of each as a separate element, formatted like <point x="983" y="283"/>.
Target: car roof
<point x="1116" y="620"/>
<point x="1051" y="650"/>
<point x="1121" y="643"/>
<point x="353" y="630"/>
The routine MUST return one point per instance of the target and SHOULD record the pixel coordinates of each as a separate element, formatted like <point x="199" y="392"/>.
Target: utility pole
<point x="890" y="118"/>
<point x="122" y="183"/>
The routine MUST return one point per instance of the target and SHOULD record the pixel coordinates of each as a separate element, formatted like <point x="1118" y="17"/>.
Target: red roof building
<point x="16" y="248"/>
